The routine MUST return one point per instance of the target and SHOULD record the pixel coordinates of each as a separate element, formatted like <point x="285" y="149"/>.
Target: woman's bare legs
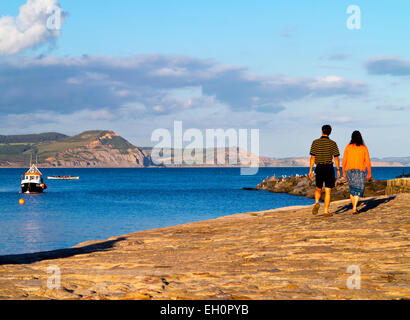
<point x="355" y="201"/>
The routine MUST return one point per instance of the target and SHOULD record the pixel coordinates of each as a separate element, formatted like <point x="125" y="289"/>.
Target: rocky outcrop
<point x="107" y="149"/>
<point x="303" y="186"/>
<point x="96" y="148"/>
<point x="98" y="155"/>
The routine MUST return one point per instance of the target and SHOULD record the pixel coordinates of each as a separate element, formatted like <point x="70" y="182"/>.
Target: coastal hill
<point x="97" y="148"/>
<point x="105" y="148"/>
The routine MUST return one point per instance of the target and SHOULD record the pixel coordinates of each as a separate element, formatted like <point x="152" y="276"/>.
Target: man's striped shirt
<point x="324" y="149"/>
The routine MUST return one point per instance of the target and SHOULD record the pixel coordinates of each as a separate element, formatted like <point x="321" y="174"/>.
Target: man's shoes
<point x="328" y="214"/>
<point x="315" y="209"/>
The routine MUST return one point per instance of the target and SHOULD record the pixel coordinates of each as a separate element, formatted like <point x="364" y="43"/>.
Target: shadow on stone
<point x="57" y="254"/>
<point x="369" y="204"/>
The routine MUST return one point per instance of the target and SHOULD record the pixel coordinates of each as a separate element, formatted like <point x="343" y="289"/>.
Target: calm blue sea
<point x="112" y="202"/>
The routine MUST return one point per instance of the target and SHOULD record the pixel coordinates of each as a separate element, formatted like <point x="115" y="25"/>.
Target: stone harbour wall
<point x="395" y="186"/>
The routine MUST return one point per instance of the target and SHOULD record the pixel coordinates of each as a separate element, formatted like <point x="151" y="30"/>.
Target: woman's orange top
<point x="357" y="157"/>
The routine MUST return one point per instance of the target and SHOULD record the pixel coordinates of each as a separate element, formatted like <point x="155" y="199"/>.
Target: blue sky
<point x="284" y="67"/>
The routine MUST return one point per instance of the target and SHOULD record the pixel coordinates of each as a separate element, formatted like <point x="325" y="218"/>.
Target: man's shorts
<point x="325" y="173"/>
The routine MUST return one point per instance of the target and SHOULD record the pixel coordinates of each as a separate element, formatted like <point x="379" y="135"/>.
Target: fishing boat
<point x="63" y="178"/>
<point x="32" y="181"/>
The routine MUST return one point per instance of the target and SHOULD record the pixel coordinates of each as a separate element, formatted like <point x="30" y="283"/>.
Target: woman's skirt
<point x="356" y="179"/>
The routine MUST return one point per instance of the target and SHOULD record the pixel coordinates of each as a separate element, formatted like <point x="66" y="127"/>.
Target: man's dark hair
<point x="357" y="139"/>
<point x="327" y="130"/>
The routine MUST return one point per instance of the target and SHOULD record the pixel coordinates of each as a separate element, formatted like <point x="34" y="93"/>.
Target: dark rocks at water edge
<point x="303" y="186"/>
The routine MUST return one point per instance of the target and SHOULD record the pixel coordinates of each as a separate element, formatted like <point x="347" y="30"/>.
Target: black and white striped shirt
<point x="324" y="149"/>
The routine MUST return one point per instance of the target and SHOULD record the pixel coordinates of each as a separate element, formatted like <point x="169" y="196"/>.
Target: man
<point x="322" y="152"/>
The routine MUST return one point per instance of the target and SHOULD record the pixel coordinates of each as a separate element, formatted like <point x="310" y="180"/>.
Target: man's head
<point x="326" y="130"/>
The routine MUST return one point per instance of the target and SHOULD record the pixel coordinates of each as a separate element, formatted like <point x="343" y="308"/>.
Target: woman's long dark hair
<point x="357" y="139"/>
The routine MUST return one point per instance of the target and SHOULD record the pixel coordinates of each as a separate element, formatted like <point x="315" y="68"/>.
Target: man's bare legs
<point x="328" y="191"/>
<point x="316" y="207"/>
<point x="318" y="194"/>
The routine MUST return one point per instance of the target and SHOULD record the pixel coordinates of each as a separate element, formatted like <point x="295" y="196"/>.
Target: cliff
<point x="88" y="149"/>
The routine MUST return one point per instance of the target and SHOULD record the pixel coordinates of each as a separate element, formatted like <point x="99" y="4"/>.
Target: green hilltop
<point x="20" y="148"/>
<point x="32" y="138"/>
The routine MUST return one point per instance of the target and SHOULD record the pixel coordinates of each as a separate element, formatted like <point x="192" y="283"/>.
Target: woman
<point x="355" y="161"/>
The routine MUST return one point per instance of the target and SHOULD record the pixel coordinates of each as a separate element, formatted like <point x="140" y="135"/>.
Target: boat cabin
<point x="32" y="175"/>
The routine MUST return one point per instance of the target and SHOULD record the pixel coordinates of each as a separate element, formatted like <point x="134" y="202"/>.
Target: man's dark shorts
<point x="325" y="173"/>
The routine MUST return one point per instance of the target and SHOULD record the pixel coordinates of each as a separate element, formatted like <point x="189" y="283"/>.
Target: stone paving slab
<point x="278" y="254"/>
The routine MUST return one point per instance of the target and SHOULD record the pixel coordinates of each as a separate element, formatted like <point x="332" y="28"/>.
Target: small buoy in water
<point x="21" y="201"/>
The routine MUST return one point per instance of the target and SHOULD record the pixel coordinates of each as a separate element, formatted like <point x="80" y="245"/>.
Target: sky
<point x="283" y="67"/>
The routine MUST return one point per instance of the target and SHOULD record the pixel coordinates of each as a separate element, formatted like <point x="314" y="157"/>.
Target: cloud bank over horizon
<point x="152" y="84"/>
<point x="35" y="24"/>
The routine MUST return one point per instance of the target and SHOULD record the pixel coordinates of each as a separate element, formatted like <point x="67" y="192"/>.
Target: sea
<point x="112" y="202"/>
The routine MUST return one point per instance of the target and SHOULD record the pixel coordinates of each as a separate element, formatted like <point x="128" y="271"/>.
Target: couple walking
<point x="355" y="162"/>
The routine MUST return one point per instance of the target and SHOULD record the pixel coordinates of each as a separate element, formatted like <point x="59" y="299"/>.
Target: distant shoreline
<point x="177" y="167"/>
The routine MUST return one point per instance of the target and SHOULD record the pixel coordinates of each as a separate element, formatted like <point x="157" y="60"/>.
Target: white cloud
<point x="330" y="83"/>
<point x="335" y="56"/>
<point x="388" y="65"/>
<point x="393" y="107"/>
<point x="38" y="22"/>
<point x="170" y="72"/>
<point x="288" y="32"/>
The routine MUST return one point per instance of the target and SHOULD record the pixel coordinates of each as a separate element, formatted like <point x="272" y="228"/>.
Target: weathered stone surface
<point x="395" y="186"/>
<point x="303" y="186"/>
<point x="279" y="254"/>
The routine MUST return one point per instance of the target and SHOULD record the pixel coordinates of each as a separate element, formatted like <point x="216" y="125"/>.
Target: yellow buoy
<point x="21" y="201"/>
